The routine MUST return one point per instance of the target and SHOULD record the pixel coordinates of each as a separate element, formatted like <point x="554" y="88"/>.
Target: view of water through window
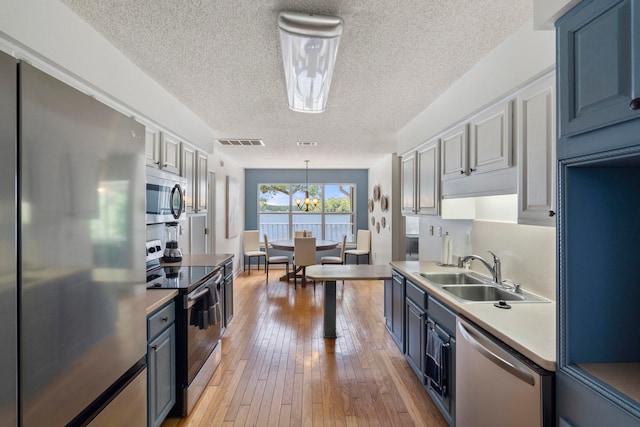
<point x="333" y="216"/>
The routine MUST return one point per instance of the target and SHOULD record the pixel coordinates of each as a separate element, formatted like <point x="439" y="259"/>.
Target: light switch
<point x="431" y="230"/>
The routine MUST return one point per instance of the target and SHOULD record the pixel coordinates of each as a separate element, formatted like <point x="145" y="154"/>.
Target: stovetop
<point x="182" y="278"/>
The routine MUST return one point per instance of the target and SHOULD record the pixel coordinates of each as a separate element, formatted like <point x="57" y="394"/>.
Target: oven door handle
<point x="202" y="290"/>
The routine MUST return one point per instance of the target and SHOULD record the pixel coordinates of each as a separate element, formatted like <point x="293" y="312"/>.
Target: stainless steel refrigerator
<point x="72" y="268"/>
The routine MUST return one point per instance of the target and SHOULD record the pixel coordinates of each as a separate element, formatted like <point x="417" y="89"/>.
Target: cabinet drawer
<point x="443" y="316"/>
<point x="160" y="319"/>
<point x="417" y="295"/>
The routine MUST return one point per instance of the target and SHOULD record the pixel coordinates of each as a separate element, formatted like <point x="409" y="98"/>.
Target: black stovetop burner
<point x="183" y="278"/>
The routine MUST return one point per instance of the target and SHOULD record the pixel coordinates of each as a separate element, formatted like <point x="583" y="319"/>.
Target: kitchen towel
<point x="447" y="250"/>
<point x="435" y="362"/>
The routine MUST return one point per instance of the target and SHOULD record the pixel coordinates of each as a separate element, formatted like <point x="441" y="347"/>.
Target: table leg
<point x="330" y="309"/>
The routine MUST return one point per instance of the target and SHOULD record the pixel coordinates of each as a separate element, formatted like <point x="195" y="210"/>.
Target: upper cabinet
<point x="194" y="168"/>
<point x="491" y="139"/>
<point x="421" y="180"/>
<point x="598" y="66"/>
<point x="536" y="154"/>
<point x="152" y="146"/>
<point x="428" y="178"/>
<point x="408" y="185"/>
<point x="169" y="153"/>
<point x="455" y="152"/>
<point x="477" y="155"/>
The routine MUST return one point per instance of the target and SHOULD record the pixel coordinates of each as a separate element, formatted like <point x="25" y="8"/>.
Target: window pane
<point x="274" y="197"/>
<point x="338" y="198"/>
<point x="300" y="194"/>
<point x="274" y="225"/>
<point x="338" y="224"/>
<point x="307" y="221"/>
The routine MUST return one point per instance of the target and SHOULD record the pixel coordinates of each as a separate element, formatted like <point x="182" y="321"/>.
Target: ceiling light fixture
<point x="308" y="204"/>
<point x="309" y="48"/>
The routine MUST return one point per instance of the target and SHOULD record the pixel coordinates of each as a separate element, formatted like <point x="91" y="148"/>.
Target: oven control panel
<point x="154" y="250"/>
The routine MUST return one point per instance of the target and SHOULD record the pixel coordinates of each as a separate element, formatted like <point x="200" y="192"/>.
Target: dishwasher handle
<point x="482" y="344"/>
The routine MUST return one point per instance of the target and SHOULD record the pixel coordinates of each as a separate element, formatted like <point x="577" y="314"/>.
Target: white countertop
<point x="529" y="328"/>
<point x="349" y="272"/>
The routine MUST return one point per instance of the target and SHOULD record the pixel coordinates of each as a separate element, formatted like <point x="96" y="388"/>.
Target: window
<point x="280" y="218"/>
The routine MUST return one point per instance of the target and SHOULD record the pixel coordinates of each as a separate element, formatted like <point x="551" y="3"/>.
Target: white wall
<point x="519" y="59"/>
<point x="381" y="243"/>
<point x="547" y="12"/>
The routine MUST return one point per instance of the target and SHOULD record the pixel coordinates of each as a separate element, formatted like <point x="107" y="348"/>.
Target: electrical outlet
<point x="439" y="231"/>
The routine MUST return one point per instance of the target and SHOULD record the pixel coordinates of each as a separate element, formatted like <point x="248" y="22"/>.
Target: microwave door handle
<point x="473" y="337"/>
<point x="176" y="213"/>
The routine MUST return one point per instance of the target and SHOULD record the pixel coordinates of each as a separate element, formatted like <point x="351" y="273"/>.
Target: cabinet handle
<point x="461" y="172"/>
<point x="552" y="213"/>
<point x="472" y="170"/>
<point x="164" y="319"/>
<point x="157" y="163"/>
<point x="635" y="104"/>
<point x="154" y="347"/>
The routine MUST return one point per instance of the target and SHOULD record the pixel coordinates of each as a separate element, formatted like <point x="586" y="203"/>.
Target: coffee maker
<point x="172" y="252"/>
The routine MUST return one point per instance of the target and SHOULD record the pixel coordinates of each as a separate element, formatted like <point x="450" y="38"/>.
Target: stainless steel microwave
<point x="165" y="196"/>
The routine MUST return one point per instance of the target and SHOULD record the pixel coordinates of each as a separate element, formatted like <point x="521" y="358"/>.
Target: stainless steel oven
<point x="165" y="196"/>
<point x="199" y="326"/>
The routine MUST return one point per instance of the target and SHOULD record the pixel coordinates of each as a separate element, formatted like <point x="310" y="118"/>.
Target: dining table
<point x="289" y="244"/>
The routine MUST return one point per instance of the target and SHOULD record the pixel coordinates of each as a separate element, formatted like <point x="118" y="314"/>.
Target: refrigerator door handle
<point x="474" y="337"/>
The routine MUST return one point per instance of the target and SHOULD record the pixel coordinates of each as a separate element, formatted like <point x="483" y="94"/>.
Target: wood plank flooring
<point x="278" y="370"/>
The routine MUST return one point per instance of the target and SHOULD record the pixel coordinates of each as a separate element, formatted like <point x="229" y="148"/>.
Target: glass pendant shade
<point x="309" y="47"/>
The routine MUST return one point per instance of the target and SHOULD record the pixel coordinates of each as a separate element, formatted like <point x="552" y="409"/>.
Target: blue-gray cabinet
<point x="410" y="313"/>
<point x="161" y="363"/>
<point x="598" y="67"/>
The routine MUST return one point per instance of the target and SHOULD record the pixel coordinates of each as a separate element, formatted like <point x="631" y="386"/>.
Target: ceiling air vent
<point x="306" y="143"/>
<point x="246" y="142"/>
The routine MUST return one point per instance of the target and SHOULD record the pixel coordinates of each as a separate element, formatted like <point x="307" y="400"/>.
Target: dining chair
<point x="363" y="246"/>
<point x="299" y="233"/>
<point x="279" y="259"/>
<point x="336" y="259"/>
<point x="251" y="248"/>
<point x="304" y="254"/>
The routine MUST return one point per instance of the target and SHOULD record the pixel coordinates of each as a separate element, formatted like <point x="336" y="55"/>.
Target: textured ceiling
<point x="222" y="60"/>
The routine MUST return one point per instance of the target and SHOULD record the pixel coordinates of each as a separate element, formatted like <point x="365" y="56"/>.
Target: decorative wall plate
<point x="370" y="205"/>
<point x="383" y="222"/>
<point x="384" y="203"/>
<point x="378" y="227"/>
<point x="376" y="193"/>
<point x="373" y="220"/>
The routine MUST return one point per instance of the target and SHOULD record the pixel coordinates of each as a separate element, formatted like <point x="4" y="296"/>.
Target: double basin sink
<point x="469" y="287"/>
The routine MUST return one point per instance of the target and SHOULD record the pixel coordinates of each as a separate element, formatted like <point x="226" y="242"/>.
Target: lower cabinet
<point x="161" y="363"/>
<point x="394" y="308"/>
<point x="424" y="330"/>
<point x="228" y="293"/>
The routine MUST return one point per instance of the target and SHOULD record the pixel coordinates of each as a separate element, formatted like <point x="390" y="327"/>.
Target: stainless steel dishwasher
<point x="496" y="386"/>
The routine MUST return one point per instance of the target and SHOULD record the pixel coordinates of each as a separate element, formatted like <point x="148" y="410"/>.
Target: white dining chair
<point x="279" y="259"/>
<point x="304" y="254"/>
<point x="251" y="248"/>
<point x="336" y="259"/>
<point x="363" y="246"/>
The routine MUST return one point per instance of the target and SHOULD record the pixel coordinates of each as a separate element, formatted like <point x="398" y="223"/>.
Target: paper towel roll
<point x="447" y="250"/>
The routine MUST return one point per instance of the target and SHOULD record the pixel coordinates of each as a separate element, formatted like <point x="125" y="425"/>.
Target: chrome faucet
<point x="495" y="270"/>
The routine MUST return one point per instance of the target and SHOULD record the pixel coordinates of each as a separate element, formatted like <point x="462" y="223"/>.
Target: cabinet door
<point x="491" y="139"/>
<point x="598" y="65"/>
<point x="536" y="154"/>
<point x="414" y="341"/>
<point x="169" y="154"/>
<point x="161" y="354"/>
<point x="455" y="153"/>
<point x="197" y="234"/>
<point x="409" y="184"/>
<point x="429" y="179"/>
<point x="202" y="182"/>
<point x="397" y="314"/>
<point x="387" y="303"/>
<point x="152" y="147"/>
<point x="188" y="170"/>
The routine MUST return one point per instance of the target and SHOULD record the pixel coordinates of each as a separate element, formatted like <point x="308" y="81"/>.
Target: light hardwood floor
<point x="278" y="370"/>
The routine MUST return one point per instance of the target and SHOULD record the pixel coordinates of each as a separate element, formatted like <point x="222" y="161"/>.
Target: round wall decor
<point x="383" y="222"/>
<point x="376" y="193"/>
<point x="373" y="220"/>
<point x="370" y="205"/>
<point x="384" y="203"/>
<point x="378" y="227"/>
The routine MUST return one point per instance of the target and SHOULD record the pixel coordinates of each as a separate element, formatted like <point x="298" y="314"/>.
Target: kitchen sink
<point x="483" y="293"/>
<point x="452" y="278"/>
